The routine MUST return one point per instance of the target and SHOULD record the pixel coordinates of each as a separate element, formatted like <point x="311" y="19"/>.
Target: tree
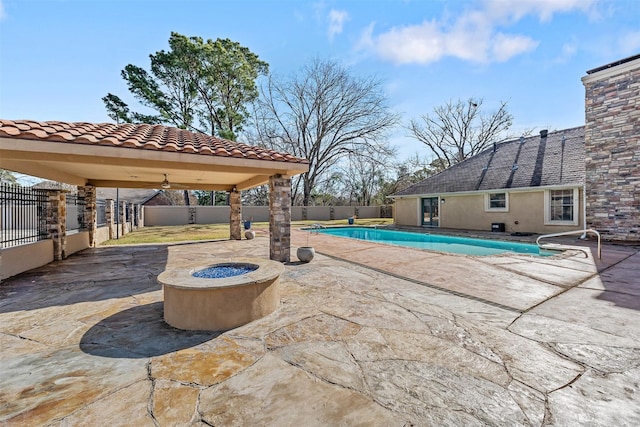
<point x="459" y="130"/>
<point x="410" y="171"/>
<point x="196" y="85"/>
<point x="211" y="198"/>
<point x="323" y="113"/>
<point x="7" y="177"/>
<point x="364" y="177"/>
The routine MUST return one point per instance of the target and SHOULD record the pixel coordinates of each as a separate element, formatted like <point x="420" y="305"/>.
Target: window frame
<point x="487" y="202"/>
<point x="548" y="205"/>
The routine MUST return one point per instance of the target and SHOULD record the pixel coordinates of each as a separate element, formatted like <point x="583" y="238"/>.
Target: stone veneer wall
<point x="235" y="215"/>
<point x="90" y="213"/>
<point x="280" y="218"/>
<point x="612" y="142"/>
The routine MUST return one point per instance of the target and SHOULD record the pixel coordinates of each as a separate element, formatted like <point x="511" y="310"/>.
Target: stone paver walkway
<point x="388" y="337"/>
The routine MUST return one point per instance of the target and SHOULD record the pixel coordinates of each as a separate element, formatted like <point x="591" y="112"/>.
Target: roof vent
<point x="514" y="167"/>
<point x="521" y="139"/>
<point x="543" y="133"/>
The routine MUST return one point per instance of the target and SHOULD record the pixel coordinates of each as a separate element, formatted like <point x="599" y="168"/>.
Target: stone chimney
<point x="612" y="144"/>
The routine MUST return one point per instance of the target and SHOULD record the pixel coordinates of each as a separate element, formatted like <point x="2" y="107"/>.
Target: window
<point x="561" y="207"/>
<point x="498" y="202"/>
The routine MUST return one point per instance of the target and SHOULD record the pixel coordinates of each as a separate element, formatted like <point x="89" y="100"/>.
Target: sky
<point x="58" y="58"/>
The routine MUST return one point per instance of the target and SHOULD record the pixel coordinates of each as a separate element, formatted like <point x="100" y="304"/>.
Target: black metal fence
<point x="101" y="212"/>
<point x="75" y="213"/>
<point x="23" y="215"/>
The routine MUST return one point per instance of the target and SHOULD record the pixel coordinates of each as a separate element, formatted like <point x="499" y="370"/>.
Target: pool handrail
<point x="568" y="233"/>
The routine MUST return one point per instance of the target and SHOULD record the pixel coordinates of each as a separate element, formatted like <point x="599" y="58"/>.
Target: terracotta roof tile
<point x="138" y="136"/>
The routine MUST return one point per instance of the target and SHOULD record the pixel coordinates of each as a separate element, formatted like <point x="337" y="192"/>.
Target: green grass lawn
<point x="191" y="232"/>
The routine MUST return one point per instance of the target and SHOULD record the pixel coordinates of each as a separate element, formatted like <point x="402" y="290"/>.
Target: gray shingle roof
<point x="558" y="159"/>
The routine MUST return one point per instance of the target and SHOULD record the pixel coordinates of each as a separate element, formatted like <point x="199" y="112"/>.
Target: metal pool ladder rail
<point x="568" y="233"/>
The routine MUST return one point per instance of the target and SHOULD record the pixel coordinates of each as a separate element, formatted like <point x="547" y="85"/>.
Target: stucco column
<point x="280" y="218"/>
<point x="235" y="215"/>
<point x="90" y="213"/>
<point x="57" y="222"/>
<point x="109" y="216"/>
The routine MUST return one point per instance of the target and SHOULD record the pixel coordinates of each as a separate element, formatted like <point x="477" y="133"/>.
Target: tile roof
<point x="558" y="159"/>
<point x="141" y="136"/>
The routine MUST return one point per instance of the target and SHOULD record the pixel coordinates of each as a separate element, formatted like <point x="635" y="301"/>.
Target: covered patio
<point x="91" y="155"/>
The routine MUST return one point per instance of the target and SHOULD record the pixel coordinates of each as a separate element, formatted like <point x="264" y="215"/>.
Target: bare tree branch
<point x="324" y="114"/>
<point x="459" y="130"/>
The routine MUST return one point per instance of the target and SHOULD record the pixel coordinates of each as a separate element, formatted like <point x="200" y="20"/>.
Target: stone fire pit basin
<point x="192" y="303"/>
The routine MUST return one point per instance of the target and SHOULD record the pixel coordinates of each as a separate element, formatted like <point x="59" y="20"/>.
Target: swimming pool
<point x="452" y="244"/>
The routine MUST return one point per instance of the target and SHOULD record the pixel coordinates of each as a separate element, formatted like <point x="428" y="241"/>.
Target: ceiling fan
<point x="165" y="184"/>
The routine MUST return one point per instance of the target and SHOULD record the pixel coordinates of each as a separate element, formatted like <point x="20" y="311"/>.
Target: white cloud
<point x="630" y="43"/>
<point x="337" y="18"/>
<point x="420" y="44"/>
<point x="473" y="35"/>
<point x="505" y="47"/>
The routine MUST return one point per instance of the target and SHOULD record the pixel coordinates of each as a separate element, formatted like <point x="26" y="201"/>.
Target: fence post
<point x="122" y="214"/>
<point x="90" y="213"/>
<point x="57" y="222"/>
<point x="130" y="216"/>
<point x="109" y="216"/>
<point x="140" y="216"/>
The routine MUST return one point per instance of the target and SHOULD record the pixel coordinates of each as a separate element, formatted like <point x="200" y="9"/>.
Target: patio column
<point x="235" y="215"/>
<point x="88" y="192"/>
<point x="280" y="218"/>
<point x="57" y="222"/>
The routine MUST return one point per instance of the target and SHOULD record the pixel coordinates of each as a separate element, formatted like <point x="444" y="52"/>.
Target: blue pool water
<point x="221" y="271"/>
<point x="452" y="244"/>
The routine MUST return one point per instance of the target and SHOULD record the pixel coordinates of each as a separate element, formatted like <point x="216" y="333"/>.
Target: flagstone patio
<point x="365" y="334"/>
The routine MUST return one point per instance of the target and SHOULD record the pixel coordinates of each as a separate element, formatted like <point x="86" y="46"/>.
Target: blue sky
<point x="59" y="58"/>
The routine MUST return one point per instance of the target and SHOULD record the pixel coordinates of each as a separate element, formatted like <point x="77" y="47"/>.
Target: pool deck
<point x="366" y="334"/>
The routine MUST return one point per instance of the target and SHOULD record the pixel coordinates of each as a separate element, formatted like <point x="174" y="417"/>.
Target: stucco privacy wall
<point x="25" y="257"/>
<point x="612" y="141"/>
<point x="77" y="242"/>
<point x="102" y="234"/>
<point x="179" y="215"/>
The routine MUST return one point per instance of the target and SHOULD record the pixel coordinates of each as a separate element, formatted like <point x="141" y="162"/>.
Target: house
<point x="532" y="184"/>
<point x="135" y="196"/>
<point x="584" y="177"/>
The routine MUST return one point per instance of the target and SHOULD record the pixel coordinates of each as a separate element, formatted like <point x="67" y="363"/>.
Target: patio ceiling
<point x="137" y="156"/>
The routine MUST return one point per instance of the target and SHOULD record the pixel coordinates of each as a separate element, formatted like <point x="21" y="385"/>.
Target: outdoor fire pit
<point x="222" y="295"/>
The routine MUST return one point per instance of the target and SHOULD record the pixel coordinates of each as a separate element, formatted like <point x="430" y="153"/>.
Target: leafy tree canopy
<point x="198" y="85"/>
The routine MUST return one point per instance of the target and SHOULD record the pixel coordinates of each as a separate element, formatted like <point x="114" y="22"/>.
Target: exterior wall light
<point x="442" y="201"/>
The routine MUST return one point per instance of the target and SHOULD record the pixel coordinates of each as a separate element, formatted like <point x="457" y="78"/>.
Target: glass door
<point x="430" y="212"/>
